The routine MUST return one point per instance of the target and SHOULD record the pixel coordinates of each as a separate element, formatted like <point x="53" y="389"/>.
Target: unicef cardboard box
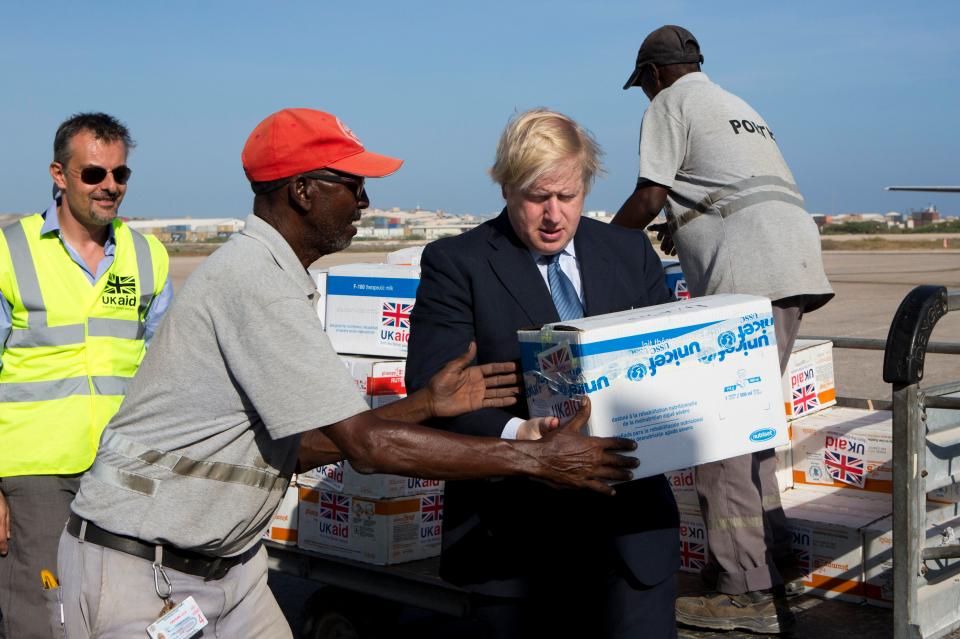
<point x="691" y="381"/>
<point x="378" y="531"/>
<point x="675" y="279"/>
<point x="368" y="308"/>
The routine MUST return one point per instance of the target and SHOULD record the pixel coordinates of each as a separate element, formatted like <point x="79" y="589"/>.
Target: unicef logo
<point x="636" y="372"/>
<point x="726" y="339"/>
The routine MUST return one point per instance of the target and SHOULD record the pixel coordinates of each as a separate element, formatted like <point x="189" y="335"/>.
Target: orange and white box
<point x="343" y="478"/>
<point x="808" y="383"/>
<point x="942" y="525"/>
<point x="380" y="380"/>
<point x="283" y="525"/>
<point x="693" y="540"/>
<point x="368" y="308"/>
<point x="844" y="447"/>
<point x="827" y="540"/>
<point x="377" y="531"/>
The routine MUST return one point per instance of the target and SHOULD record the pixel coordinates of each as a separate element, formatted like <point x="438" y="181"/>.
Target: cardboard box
<point x="342" y="478"/>
<point x="675" y="279"/>
<point x="690" y="382"/>
<point x="808" y="382"/>
<point x="785" y="466"/>
<point x="319" y="277"/>
<point x="381" y="381"/>
<point x="378" y="531"/>
<point x="827" y="539"/>
<point x="409" y="256"/>
<point x="369" y="306"/>
<point x="283" y="527"/>
<point x="693" y="540"/>
<point x="942" y="529"/>
<point x="844" y="447"/>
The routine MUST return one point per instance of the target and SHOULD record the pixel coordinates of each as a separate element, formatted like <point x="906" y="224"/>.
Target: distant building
<point x="924" y="217"/>
<point x="188" y="229"/>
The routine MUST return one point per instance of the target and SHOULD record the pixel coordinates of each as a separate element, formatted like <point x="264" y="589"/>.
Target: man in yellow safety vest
<point x="81" y="293"/>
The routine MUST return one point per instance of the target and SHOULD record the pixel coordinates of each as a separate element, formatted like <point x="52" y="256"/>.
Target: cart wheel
<point x="333" y="613"/>
<point x="330" y="625"/>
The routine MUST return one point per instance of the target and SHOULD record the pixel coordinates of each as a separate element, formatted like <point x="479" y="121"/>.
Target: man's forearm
<point x="642" y="207"/>
<point x="414" y="408"/>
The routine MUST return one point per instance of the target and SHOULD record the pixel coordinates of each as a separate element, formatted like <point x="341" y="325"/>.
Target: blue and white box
<point x="675" y="280"/>
<point x="691" y="381"/>
<point x="368" y="308"/>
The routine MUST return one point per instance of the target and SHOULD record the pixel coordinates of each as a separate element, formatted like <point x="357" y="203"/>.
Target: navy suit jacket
<point x="499" y="535"/>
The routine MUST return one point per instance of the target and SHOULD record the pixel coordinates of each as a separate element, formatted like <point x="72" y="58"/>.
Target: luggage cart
<point x="926" y="435"/>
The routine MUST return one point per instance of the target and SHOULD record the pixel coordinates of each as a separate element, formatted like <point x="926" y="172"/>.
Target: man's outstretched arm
<point x="643" y="206"/>
<point x="563" y="456"/>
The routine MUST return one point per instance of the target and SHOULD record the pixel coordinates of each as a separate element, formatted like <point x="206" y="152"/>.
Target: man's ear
<point x="300" y="194"/>
<point x="58" y="175"/>
<point x="503" y="191"/>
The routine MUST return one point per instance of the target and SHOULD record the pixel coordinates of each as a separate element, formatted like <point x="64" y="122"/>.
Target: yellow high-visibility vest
<point x="73" y="345"/>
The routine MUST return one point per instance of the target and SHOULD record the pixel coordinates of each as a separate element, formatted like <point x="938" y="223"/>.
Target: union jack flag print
<point x="335" y="507"/>
<point x="396" y="314"/>
<point x="692" y="555"/>
<point x="556" y="359"/>
<point x="845" y="468"/>
<point x="431" y="508"/>
<point x="803" y="561"/>
<point x="680" y="290"/>
<point x="805" y="398"/>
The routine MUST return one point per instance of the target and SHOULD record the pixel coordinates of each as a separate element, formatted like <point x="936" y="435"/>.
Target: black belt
<point x="191" y="563"/>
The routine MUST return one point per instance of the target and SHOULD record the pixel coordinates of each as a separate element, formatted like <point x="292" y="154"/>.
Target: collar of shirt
<point x="696" y="76"/>
<point x="282" y="252"/>
<point x="51" y="223"/>
<point x="569" y="264"/>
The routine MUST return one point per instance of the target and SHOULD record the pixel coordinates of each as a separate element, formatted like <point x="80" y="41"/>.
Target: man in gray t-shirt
<point x="197" y="459"/>
<point x="736" y="218"/>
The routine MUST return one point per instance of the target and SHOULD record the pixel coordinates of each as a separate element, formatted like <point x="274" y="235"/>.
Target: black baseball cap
<point x="669" y="44"/>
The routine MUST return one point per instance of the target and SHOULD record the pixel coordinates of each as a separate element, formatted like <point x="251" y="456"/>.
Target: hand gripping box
<point x="844" y="447"/>
<point x="808" y="383"/>
<point x="369" y="306"/>
<point x="675" y="280"/>
<point x="380" y="381"/>
<point x="378" y="531"/>
<point x="690" y="382"/>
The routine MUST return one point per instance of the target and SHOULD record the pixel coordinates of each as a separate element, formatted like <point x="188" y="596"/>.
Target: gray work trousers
<point x="39" y="506"/>
<point x="748" y="543"/>
<point x="111" y="595"/>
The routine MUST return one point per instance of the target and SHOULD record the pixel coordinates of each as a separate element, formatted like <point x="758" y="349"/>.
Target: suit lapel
<point x="597" y="272"/>
<point x="513" y="266"/>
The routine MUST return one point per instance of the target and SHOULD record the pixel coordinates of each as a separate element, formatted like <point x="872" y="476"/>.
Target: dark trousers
<point x="39" y="507"/>
<point x="604" y="603"/>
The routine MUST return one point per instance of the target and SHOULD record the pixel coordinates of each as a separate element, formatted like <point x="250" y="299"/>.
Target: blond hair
<point x="538" y="142"/>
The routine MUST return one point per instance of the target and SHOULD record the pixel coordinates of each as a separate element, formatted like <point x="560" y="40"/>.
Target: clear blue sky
<point x="860" y="95"/>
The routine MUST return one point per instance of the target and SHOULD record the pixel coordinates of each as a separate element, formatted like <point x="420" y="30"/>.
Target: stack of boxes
<point x="381" y="519"/>
<point x="836" y="482"/>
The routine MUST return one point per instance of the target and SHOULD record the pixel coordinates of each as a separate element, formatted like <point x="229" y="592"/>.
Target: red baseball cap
<point x="294" y="141"/>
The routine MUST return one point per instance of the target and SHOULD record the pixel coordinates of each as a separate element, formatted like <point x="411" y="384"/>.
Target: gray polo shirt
<point x="739" y="220"/>
<point x="202" y="448"/>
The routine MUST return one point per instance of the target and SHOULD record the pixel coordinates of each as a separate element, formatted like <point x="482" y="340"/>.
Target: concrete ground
<point x="869" y="286"/>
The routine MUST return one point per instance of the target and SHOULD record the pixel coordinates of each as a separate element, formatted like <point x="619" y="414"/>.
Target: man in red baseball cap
<point x="239" y="385"/>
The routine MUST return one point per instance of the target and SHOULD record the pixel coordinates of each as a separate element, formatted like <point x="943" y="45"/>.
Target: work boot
<point x="760" y="612"/>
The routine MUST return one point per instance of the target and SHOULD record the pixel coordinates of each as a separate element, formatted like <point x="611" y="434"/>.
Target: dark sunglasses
<point x="355" y="184"/>
<point x="93" y="175"/>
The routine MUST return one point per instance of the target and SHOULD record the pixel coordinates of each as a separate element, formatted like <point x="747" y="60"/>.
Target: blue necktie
<point x="565" y="297"/>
